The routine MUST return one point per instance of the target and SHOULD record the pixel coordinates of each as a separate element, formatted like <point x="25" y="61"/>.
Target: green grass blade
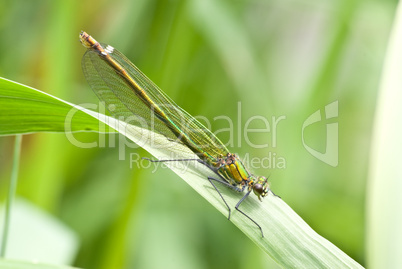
<point x="26" y="110"/>
<point x="384" y="198"/>
<point x="288" y="239"/>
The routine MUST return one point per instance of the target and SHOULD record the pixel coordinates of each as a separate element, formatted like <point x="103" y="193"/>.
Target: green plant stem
<point x="11" y="193"/>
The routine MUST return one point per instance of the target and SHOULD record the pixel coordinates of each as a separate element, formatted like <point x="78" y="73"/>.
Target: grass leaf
<point x="288" y="239"/>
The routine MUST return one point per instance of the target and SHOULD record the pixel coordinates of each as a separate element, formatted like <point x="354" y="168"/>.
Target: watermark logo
<point x="153" y="133"/>
<point x="270" y="161"/>
<point x="330" y="156"/>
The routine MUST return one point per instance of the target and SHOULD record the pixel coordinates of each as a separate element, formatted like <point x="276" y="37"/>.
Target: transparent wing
<point x="124" y="103"/>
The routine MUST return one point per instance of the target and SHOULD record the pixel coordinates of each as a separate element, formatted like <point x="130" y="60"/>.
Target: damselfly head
<point x="261" y="187"/>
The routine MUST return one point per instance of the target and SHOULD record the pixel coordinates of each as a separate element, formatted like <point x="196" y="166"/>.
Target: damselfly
<point x="118" y="82"/>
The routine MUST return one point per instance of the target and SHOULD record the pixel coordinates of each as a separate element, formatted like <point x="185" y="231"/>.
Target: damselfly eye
<point x="258" y="189"/>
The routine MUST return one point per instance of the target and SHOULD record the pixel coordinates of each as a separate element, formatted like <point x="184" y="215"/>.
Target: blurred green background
<point x="277" y="58"/>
